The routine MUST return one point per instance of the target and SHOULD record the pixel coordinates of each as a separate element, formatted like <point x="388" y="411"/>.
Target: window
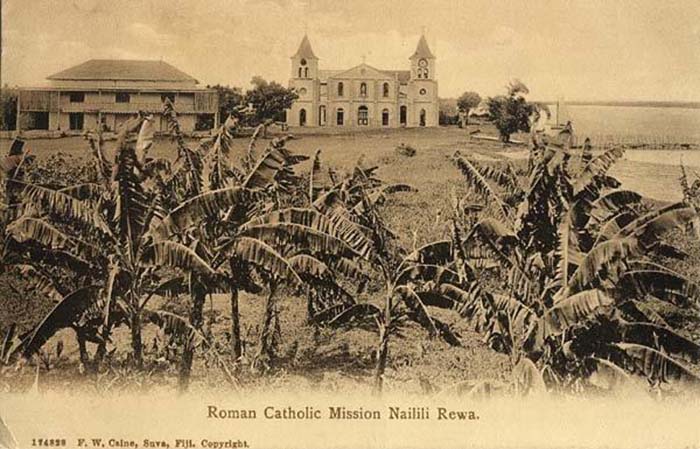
<point x="204" y="122"/>
<point x="76" y="120"/>
<point x="339" y="117"/>
<point x="303" y="61"/>
<point x="123" y="97"/>
<point x="422" y="117"/>
<point x="423" y="68"/>
<point x="35" y="120"/>
<point x="340" y="89"/>
<point x="385" y="90"/>
<point x="403" y="115"/>
<point x="362" y="116"/>
<point x="385" y="117"/>
<point x="77" y="97"/>
<point x="363" y="89"/>
<point x="170" y="97"/>
<point x="299" y="72"/>
<point x="306" y="72"/>
<point x="423" y="91"/>
<point x="321" y="115"/>
<point x="302" y="117"/>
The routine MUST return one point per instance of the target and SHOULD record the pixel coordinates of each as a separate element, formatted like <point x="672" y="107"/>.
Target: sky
<point x="575" y="49"/>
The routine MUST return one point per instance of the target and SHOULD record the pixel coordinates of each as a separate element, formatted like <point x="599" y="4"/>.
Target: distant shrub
<point x="405" y="150"/>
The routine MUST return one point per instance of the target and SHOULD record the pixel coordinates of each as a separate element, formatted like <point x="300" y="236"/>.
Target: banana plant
<point x="238" y="219"/>
<point x="577" y="301"/>
<point x="106" y="237"/>
<point x="413" y="282"/>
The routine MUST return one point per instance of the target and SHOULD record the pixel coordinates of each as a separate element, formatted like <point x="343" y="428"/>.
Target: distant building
<point x="364" y="96"/>
<point x="109" y="92"/>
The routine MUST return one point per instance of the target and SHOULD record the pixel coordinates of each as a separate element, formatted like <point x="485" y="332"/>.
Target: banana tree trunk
<point x="383" y="350"/>
<point x="102" y="346"/>
<point x="236" y="350"/>
<point x="82" y="348"/>
<point x="136" y="345"/>
<point x="196" y="321"/>
<point x="268" y="336"/>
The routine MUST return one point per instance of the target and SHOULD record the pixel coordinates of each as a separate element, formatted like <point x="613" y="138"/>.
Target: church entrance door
<point x="362" y="116"/>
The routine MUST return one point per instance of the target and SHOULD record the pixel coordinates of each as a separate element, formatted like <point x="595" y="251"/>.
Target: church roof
<point x="404" y="76"/>
<point x="422" y="50"/>
<point x="122" y="70"/>
<point x="305" y="50"/>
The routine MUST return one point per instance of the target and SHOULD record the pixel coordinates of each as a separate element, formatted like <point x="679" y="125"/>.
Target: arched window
<point x="385" y="89"/>
<point x="302" y="117"/>
<point x="339" y="116"/>
<point x="299" y="72"/>
<point x="422" y="117"/>
<point x="403" y="115"/>
<point x="340" y="89"/>
<point x="306" y="72"/>
<point x="363" y="89"/>
<point x="425" y="73"/>
<point x="362" y="116"/>
<point x="385" y="117"/>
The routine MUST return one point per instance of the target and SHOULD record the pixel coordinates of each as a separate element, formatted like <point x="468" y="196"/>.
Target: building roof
<point x="323" y="75"/>
<point x="123" y="70"/>
<point x="404" y="76"/>
<point x="422" y="50"/>
<point x="305" y="50"/>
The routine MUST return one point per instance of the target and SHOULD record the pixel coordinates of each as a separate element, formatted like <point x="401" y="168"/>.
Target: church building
<point x="364" y="96"/>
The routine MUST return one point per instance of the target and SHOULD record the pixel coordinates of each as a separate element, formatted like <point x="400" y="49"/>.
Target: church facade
<point x="364" y="96"/>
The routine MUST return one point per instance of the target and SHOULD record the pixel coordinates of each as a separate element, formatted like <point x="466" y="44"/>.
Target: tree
<point x="448" y="111"/>
<point x="511" y="112"/>
<point x="229" y="99"/>
<point x="8" y="108"/>
<point x="269" y="100"/>
<point x="468" y="100"/>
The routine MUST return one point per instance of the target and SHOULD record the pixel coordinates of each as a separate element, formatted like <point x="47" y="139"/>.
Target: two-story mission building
<point x="363" y="95"/>
<point x="106" y="92"/>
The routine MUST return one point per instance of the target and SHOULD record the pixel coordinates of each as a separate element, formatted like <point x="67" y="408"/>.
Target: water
<point x="672" y="124"/>
<point x="651" y="173"/>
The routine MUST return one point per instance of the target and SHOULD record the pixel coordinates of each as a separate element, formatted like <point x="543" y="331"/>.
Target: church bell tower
<point x="423" y="86"/>
<point x="304" y="81"/>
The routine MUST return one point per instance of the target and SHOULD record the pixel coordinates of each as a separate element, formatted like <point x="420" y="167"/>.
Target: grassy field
<point x="323" y="359"/>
